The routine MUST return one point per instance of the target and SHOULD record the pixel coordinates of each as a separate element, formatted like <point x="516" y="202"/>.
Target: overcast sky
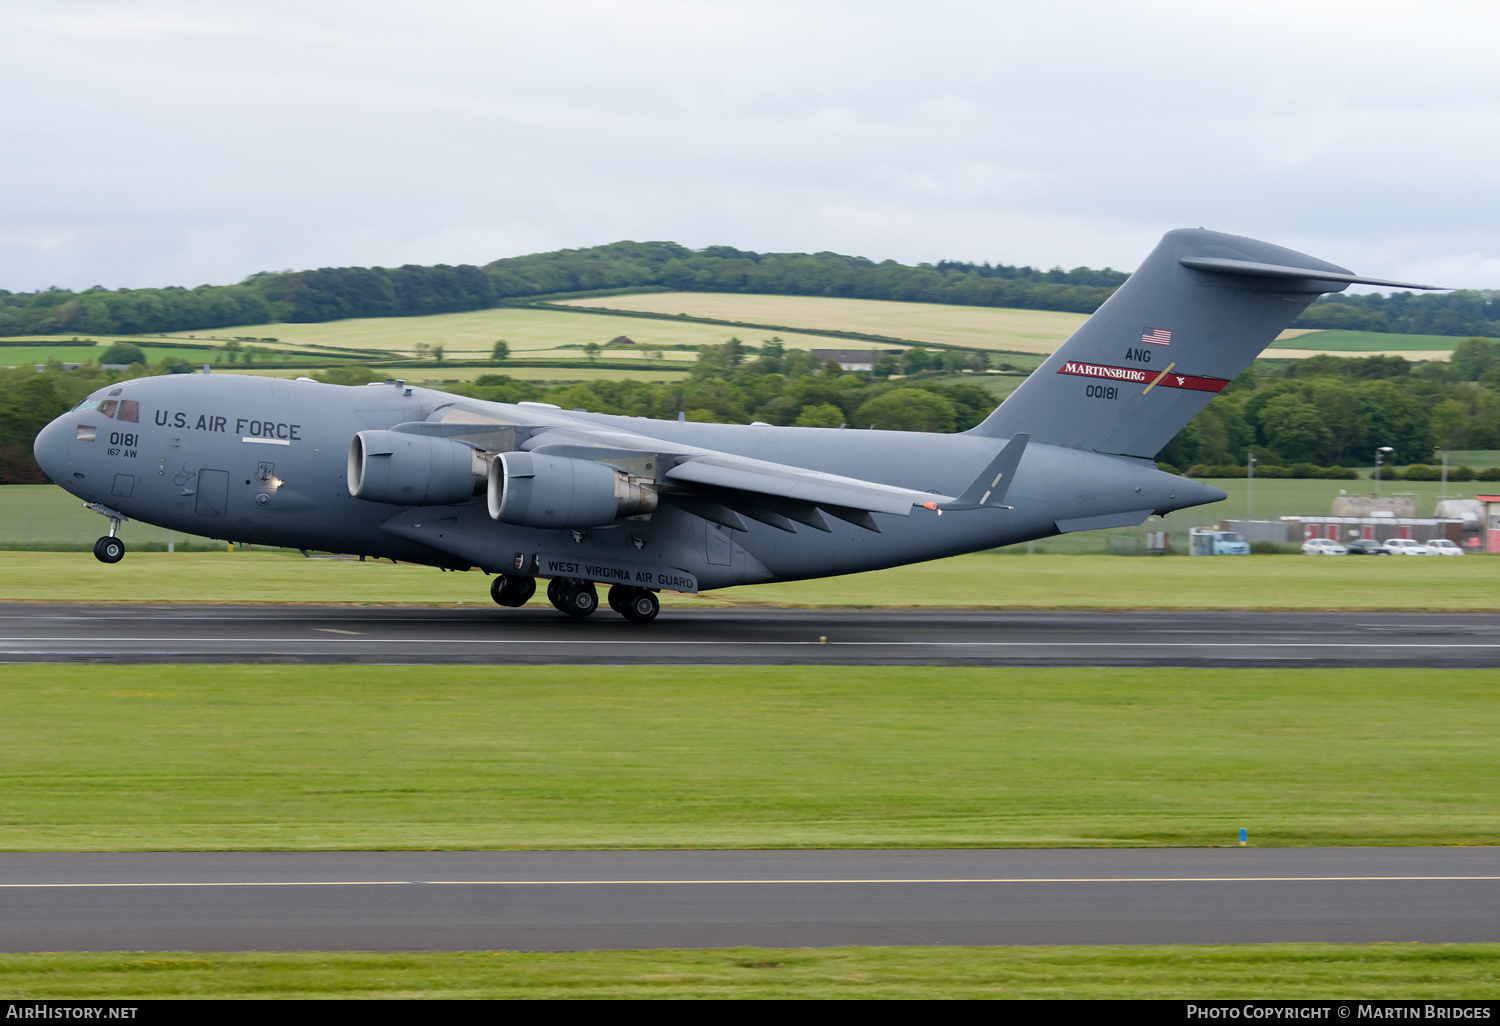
<point x="147" y="143"/>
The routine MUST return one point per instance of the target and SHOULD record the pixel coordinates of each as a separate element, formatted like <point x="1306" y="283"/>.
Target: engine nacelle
<point x="413" y="470"/>
<point x="553" y="491"/>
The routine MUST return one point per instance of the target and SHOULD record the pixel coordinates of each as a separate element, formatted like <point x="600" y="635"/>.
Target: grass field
<point x="45" y="515"/>
<point x="974" y="327"/>
<point x="1368" y="341"/>
<point x="1406" y="972"/>
<point x="280" y="757"/>
<point x="1278" y="497"/>
<point x="997" y="385"/>
<point x="17" y="356"/>
<point x="978" y="581"/>
<point x="472" y="335"/>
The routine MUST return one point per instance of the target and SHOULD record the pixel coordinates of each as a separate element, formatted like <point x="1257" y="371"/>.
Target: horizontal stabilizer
<point x="1196" y="312"/>
<point x="989" y="488"/>
<point x="1253" y="269"/>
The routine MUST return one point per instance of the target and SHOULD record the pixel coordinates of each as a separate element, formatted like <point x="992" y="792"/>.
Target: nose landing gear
<point x="110" y="548"/>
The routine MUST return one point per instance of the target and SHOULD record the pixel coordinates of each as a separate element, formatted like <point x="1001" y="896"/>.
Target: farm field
<point x="472" y="335"/>
<point x="438" y="376"/>
<point x="276" y="757"/>
<point x="1179" y="972"/>
<point x="997" y="385"/>
<point x="973" y="327"/>
<point x="1367" y="341"/>
<point x="18" y="356"/>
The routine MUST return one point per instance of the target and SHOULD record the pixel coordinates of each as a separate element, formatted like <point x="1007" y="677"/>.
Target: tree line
<point x="1336" y="411"/>
<point x="334" y="293"/>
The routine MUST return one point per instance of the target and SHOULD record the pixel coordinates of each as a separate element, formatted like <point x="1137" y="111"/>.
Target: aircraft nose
<point x="51" y="448"/>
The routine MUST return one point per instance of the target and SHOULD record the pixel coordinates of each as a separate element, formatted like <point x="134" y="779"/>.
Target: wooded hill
<point x="335" y="293"/>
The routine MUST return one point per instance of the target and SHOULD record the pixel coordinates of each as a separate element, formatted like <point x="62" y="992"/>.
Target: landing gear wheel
<point x="641" y="607"/>
<point x="512" y="591"/>
<point x="555" y="589"/>
<point x="109" y="549"/>
<point x="619" y="594"/>
<point x="579" y="599"/>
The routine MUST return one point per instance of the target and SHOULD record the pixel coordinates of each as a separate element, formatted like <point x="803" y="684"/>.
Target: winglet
<point x="989" y="488"/>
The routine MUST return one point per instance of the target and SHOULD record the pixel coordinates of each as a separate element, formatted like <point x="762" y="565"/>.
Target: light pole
<point x="1445" y="474"/>
<point x="1379" y="459"/>
<point x="1250" y="488"/>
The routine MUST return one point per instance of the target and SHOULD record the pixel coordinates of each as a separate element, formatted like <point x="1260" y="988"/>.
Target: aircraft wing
<point x="709" y="483"/>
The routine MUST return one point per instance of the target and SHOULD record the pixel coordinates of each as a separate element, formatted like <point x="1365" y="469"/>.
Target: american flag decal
<point x="1157" y="336"/>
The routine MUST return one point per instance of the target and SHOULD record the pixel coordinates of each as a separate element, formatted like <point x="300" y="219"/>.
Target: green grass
<point x="980" y="580"/>
<point x="1368" y="342"/>
<point x="16" y="356"/>
<point x="472" y="335"/>
<point x="1261" y="972"/>
<point x="283" y="757"/>
<point x="999" y="386"/>
<point x="1278" y="497"/>
<point x="45" y="515"/>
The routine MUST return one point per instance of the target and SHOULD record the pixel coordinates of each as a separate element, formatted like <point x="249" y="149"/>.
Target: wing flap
<point x="808" y="486"/>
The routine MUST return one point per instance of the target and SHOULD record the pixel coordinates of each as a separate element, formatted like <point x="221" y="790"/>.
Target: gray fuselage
<point x="261" y="460"/>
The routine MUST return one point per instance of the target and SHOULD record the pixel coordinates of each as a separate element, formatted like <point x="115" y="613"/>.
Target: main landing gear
<point x="576" y="598"/>
<point x="512" y="591"/>
<point x="635" y="604"/>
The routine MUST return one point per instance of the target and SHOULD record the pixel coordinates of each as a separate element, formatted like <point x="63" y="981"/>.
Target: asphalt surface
<point x="602" y="900"/>
<point x="538" y="635"/>
<point x="388" y="901"/>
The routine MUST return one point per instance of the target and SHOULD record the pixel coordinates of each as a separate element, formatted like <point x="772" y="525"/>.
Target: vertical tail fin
<point x="1200" y="308"/>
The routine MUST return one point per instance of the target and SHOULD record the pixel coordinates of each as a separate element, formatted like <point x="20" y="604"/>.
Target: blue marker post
<point x="1244" y="835"/>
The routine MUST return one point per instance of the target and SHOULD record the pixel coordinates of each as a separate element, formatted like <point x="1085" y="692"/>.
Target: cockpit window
<point x="129" y="410"/>
<point x="87" y="404"/>
<point x="107" y="408"/>
<point x="115" y="391"/>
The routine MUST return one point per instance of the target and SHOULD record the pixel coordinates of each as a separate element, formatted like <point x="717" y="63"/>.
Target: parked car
<point x="1323" y="547"/>
<point x="1228" y="543"/>
<point x="1443" y="547"/>
<point x="1366" y="547"/>
<point x="1406" y="547"/>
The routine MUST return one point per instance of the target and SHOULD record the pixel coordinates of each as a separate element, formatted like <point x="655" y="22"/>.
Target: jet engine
<point x="553" y="491"/>
<point x="413" y="470"/>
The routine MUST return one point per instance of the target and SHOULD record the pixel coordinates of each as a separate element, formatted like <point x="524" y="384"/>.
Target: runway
<point x="540" y="635"/>
<point x="390" y="901"/>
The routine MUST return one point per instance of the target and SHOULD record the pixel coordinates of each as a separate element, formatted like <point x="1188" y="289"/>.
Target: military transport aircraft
<point x="529" y="491"/>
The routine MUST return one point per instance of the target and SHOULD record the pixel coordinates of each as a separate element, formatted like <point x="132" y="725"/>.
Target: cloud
<point x="157" y="143"/>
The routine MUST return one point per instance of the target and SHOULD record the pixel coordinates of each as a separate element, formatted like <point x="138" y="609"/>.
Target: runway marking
<point x="756" y="880"/>
<point x="620" y="642"/>
<point x="335" y="630"/>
